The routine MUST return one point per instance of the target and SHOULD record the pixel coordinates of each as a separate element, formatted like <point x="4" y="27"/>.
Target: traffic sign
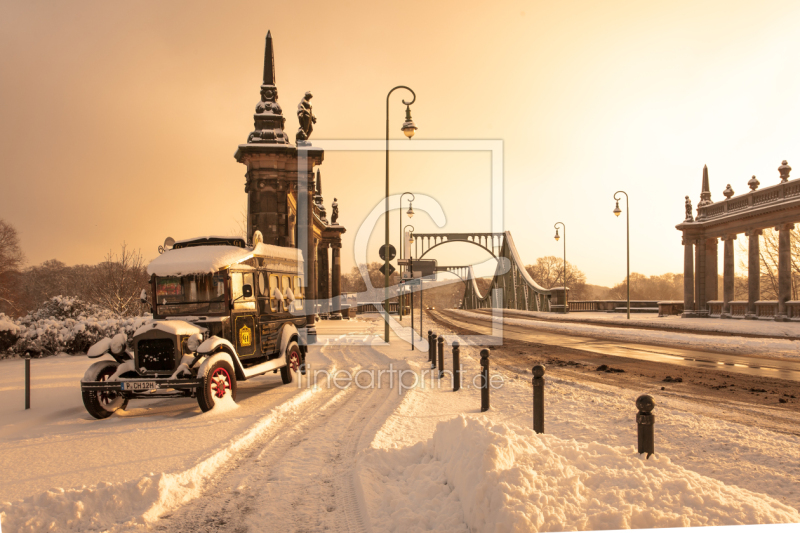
<point x="410" y="282"/>
<point x="391" y="269"/>
<point x="382" y="252"/>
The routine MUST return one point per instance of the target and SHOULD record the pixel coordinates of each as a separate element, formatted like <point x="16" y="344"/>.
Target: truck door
<point x="244" y="315"/>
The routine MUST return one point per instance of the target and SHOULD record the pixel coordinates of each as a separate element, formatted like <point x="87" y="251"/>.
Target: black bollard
<point x="430" y="335"/>
<point x="441" y="356"/>
<point x="456" y="367"/>
<point x="484" y="380"/>
<point x="646" y="424"/>
<point x="538" y="398"/>
<point x="27" y="380"/>
<point x="434" y="338"/>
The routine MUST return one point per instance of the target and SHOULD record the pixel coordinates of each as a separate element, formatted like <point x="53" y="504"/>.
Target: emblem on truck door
<point x="245" y="336"/>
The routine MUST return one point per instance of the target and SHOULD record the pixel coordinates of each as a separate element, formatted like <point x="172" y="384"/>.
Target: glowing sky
<point x="119" y="120"/>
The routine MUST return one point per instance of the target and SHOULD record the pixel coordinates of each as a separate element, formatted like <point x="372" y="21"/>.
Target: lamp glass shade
<point x="410" y="211"/>
<point x="409" y="128"/>
<point x="617" y="210"/>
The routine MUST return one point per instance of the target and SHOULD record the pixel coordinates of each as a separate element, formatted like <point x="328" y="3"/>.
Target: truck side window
<point x="299" y="293"/>
<point x="238" y="280"/>
<point x="286" y="287"/>
<point x="274" y="304"/>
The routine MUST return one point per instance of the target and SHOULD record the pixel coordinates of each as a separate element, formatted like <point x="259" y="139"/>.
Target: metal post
<point x="430" y="343"/>
<point x="27" y="380"/>
<point x="386" y="212"/>
<point x="441" y="356"/>
<point x="413" y="333"/>
<point x="456" y="367"/>
<point x="645" y="423"/>
<point x="434" y="338"/>
<point x="538" y="398"/>
<point x="628" y="241"/>
<point x="484" y="380"/>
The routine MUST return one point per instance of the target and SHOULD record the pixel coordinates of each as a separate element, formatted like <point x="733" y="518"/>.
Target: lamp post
<point x="564" y="227"/>
<point x="411" y="271"/>
<point x="410" y="214"/>
<point x="617" y="211"/>
<point x="409" y="129"/>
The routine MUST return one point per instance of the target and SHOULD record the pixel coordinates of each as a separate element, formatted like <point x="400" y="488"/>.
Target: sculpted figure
<point x="334" y="212"/>
<point x="688" y="209"/>
<point x="306" y="117"/>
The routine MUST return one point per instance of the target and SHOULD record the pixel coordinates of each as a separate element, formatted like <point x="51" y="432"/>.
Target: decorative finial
<point x="728" y="192"/>
<point x="705" y="194"/>
<point x="784" y="169"/>
<point x="688" y="205"/>
<point x="753" y="183"/>
<point x="306" y="118"/>
<point x="269" y="61"/>
<point x="269" y="120"/>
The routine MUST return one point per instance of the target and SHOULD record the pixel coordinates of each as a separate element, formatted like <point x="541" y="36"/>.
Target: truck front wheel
<point x="102" y="404"/>
<point x="217" y="384"/>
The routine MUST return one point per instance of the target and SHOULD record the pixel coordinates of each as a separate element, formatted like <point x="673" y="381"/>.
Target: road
<point x="774" y="368"/>
<point x="299" y="475"/>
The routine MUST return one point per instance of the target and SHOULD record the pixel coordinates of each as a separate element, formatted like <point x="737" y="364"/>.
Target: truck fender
<point x="288" y="334"/>
<point x="214" y="346"/>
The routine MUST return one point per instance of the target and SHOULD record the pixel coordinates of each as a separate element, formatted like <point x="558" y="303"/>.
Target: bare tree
<point x="11" y="261"/>
<point x="768" y="265"/>
<point x="118" y="281"/>
<point x="549" y="272"/>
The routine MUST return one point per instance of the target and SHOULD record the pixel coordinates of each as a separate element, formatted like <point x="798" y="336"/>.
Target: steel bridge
<point x="511" y="286"/>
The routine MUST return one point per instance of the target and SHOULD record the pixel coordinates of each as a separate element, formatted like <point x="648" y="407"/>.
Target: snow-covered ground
<point x="773" y="348"/>
<point x="389" y="459"/>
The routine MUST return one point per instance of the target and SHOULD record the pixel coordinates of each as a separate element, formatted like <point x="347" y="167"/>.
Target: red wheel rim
<point x="294" y="360"/>
<point x="220" y="382"/>
<point x="106" y="397"/>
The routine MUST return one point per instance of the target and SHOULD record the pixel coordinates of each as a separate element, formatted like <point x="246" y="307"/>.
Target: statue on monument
<point x="688" y="205"/>
<point x="306" y="118"/>
<point x="334" y="212"/>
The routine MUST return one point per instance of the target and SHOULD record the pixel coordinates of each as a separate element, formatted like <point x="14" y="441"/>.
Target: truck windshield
<point x="190" y="295"/>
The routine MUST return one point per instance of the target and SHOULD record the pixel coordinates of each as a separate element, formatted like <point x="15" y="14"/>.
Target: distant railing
<point x="613" y="306"/>
<point x="766" y="308"/>
<point x="394" y="308"/>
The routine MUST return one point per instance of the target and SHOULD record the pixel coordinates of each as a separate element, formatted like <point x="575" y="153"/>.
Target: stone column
<point x="688" y="276"/>
<point x="753" y="274"/>
<point x="700" y="277"/>
<point x="324" y="276"/>
<point x="784" y="269"/>
<point x="336" y="276"/>
<point x="727" y="275"/>
<point x="712" y="271"/>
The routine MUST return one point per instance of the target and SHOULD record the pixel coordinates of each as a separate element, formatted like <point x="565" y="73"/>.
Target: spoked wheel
<point x="293" y="361"/>
<point x="102" y="404"/>
<point x="218" y="383"/>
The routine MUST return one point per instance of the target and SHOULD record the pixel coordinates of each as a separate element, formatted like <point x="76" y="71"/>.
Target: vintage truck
<point x="223" y="312"/>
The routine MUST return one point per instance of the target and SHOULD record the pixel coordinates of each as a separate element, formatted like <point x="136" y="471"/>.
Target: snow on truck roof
<point x="210" y="259"/>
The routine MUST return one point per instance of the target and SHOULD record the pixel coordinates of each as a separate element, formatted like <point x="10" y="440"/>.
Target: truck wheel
<point x="218" y="383"/>
<point x="293" y="361"/>
<point x="101" y="404"/>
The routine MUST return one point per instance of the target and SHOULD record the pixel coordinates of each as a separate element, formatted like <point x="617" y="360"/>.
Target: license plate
<point x="139" y="385"/>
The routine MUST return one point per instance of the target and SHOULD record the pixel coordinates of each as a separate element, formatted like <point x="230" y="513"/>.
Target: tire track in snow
<point x="300" y="475"/>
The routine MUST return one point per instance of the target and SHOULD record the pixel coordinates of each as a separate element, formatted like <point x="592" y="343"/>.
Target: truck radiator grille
<point x="156" y="354"/>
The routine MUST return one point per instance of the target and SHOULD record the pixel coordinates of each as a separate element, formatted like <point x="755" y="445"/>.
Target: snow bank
<point x="116" y="507"/>
<point x="209" y="259"/>
<point x="508" y="479"/>
<point x="7" y="325"/>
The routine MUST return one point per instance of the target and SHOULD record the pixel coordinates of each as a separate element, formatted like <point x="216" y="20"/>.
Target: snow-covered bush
<point x="8" y="333"/>
<point x="67" y="325"/>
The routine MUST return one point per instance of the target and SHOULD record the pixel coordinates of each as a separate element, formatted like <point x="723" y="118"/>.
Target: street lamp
<point x="408" y="128"/>
<point x="410" y="214"/>
<point x="564" y="227"/>
<point x="411" y="271"/>
<point x="617" y="211"/>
